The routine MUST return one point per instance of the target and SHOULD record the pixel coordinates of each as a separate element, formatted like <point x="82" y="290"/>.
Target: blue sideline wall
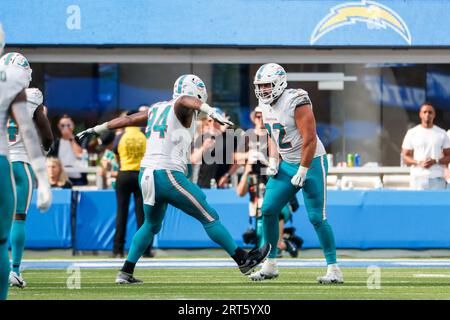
<point x="361" y="219"/>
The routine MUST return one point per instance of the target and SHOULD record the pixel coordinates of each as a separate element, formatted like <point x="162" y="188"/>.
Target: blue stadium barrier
<point x="96" y="221"/>
<point x="360" y="219"/>
<point x="51" y="229"/>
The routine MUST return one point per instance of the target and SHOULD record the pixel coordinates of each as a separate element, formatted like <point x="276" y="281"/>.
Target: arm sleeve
<point x="30" y="136"/>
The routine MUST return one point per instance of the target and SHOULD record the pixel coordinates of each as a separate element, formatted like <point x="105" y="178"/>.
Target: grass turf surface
<point x="228" y="283"/>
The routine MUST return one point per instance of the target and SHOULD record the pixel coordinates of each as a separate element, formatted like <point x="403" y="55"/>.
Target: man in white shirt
<point x="426" y="148"/>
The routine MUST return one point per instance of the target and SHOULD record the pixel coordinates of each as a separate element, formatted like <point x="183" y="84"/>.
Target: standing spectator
<point x="67" y="149"/>
<point x="129" y="146"/>
<point x="426" y="148"/>
<point x="213" y="141"/>
<point x="56" y="174"/>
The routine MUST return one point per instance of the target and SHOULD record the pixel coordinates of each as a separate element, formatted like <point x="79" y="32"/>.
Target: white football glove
<point x="212" y="112"/>
<point x="44" y="196"/>
<point x="97" y="130"/>
<point x="298" y="180"/>
<point x="272" y="169"/>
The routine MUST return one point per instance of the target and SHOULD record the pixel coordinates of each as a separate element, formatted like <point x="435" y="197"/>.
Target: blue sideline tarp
<point x="51" y="229"/>
<point x="361" y="219"/>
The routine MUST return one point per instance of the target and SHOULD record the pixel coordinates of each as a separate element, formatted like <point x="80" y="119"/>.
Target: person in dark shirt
<point x="215" y="152"/>
<point x="57" y="177"/>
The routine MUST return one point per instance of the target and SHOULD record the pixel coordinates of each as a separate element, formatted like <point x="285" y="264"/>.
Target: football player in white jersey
<point x="170" y="132"/>
<point x="14" y="79"/>
<point x="23" y="173"/>
<point x="289" y="119"/>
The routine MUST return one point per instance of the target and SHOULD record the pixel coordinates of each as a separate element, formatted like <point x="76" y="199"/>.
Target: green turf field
<point x="228" y="283"/>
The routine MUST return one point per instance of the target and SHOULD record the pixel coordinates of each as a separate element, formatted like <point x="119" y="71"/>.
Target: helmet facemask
<point x="264" y="92"/>
<point x="270" y="81"/>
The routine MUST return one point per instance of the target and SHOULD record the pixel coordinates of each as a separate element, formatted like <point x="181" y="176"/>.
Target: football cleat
<point x="126" y="278"/>
<point x="16" y="280"/>
<point x="334" y="275"/>
<point x="268" y="271"/>
<point x="255" y="257"/>
<point x="291" y="248"/>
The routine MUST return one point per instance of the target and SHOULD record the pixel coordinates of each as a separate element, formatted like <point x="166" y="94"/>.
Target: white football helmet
<point x="2" y="39"/>
<point x="273" y="74"/>
<point x="16" y="59"/>
<point x="190" y="85"/>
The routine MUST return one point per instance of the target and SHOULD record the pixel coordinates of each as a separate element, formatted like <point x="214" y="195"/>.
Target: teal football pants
<point x="279" y="191"/>
<point x="7" y="208"/>
<point x="172" y="187"/>
<point x="25" y="182"/>
<point x="285" y="215"/>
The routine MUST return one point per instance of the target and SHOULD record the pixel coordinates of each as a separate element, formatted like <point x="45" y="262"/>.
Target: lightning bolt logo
<point x="374" y="14"/>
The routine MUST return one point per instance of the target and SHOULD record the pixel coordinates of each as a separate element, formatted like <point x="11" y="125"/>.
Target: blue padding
<point x="51" y="229"/>
<point x="360" y="219"/>
<point x="182" y="231"/>
<point x="96" y="221"/>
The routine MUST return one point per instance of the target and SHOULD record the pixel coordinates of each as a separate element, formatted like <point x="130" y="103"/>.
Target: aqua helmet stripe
<point x="8" y="58"/>
<point x="180" y="83"/>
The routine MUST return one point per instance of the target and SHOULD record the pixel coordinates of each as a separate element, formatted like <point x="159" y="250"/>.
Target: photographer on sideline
<point x="254" y="180"/>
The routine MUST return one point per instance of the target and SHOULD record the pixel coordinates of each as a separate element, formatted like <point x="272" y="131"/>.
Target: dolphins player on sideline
<point x="170" y="130"/>
<point x="289" y="119"/>
<point x="23" y="173"/>
<point x="14" y="80"/>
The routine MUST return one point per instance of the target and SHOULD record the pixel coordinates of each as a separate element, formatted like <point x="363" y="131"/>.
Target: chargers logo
<point x="374" y="14"/>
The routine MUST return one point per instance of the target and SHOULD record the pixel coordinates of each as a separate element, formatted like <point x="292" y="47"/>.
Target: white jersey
<point x="168" y="141"/>
<point x="13" y="80"/>
<point x="17" y="151"/>
<point x="279" y="120"/>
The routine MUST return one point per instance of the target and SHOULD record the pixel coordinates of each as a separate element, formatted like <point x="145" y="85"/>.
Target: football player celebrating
<point x="23" y="173"/>
<point x="170" y="130"/>
<point x="289" y="119"/>
<point x="14" y="79"/>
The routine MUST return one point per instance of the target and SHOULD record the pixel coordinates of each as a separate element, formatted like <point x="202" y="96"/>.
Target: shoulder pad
<point x="34" y="96"/>
<point x="16" y="78"/>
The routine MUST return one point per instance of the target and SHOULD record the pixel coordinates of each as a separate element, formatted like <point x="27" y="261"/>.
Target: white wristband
<point x="273" y="162"/>
<point x="302" y="170"/>
<point x="101" y="128"/>
<point x="206" y="108"/>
